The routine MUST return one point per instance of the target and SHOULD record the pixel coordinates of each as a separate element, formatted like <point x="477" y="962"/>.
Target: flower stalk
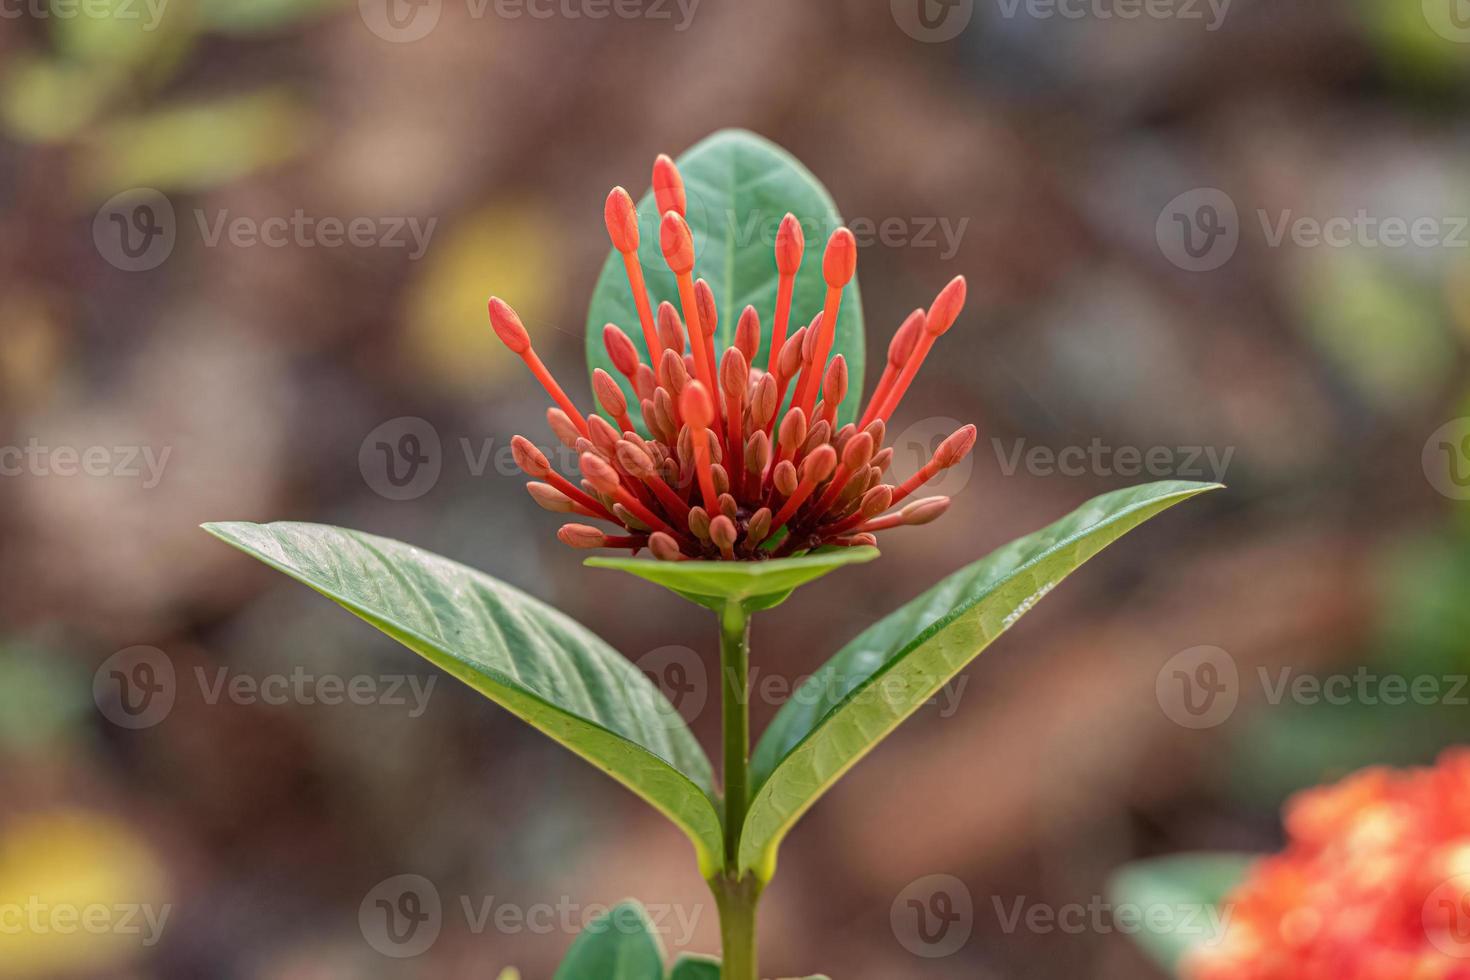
<point x="736" y="896"/>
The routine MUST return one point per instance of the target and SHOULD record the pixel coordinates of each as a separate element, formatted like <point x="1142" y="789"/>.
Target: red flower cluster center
<point x="720" y="475"/>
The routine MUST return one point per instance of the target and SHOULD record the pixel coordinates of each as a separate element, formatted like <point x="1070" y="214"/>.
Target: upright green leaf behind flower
<point x="859" y="696"/>
<point x="739" y="185"/>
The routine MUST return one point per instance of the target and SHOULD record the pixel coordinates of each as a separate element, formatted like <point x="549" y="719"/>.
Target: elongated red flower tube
<point x="717" y="470"/>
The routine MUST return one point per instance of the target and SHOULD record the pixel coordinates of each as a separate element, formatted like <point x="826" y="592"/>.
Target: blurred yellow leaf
<point x="502" y="249"/>
<point x="79" y="893"/>
<point x="44" y="101"/>
<point x="195" y="147"/>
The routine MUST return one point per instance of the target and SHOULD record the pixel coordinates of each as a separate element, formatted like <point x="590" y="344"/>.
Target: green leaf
<point x="620" y="945"/>
<point x="739" y="188"/>
<point x="754" y="584"/>
<point x="536" y="662"/>
<point x="1185" y="890"/>
<point x="859" y="696"/>
<point x="689" y="967"/>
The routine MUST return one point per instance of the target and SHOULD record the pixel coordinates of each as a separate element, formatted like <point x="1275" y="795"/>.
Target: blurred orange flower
<point x="1373" y="885"/>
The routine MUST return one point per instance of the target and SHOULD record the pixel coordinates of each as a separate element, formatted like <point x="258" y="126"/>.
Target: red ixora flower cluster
<point x="720" y="476"/>
<point x="1374" y="885"/>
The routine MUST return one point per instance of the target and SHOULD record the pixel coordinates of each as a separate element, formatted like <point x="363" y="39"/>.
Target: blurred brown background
<point x="188" y="337"/>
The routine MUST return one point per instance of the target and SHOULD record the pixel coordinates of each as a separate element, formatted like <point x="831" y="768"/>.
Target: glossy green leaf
<point x="1182" y="896"/>
<point x="620" y="945"/>
<point x="859" y="696"/>
<point x="753" y="584"/>
<point x="689" y="967"/>
<point x="739" y="187"/>
<point x="538" y="663"/>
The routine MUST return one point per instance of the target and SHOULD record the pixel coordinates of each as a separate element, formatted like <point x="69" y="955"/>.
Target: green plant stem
<point x="736" y="897"/>
<point x="735" y="684"/>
